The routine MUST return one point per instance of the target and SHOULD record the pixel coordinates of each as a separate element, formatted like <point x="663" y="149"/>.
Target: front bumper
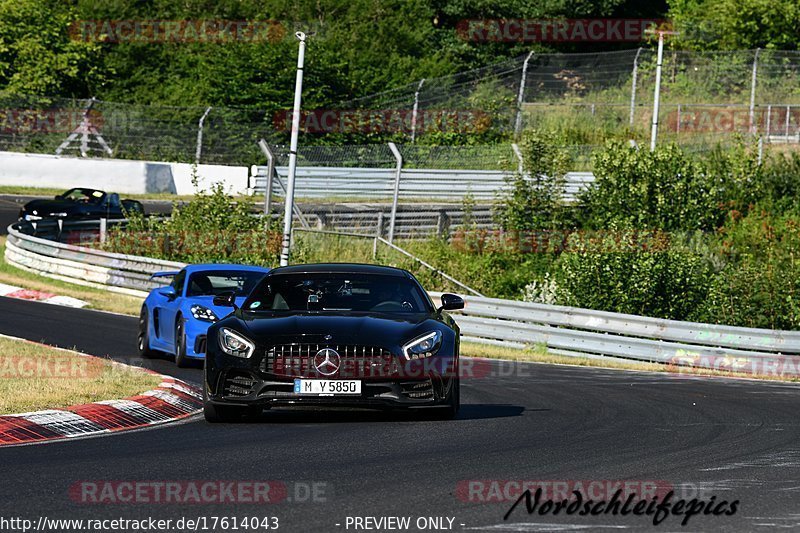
<point x="195" y="338"/>
<point x="255" y="381"/>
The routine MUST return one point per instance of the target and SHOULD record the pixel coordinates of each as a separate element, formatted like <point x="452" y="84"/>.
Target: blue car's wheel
<point x="143" y="338"/>
<point x="180" y="345"/>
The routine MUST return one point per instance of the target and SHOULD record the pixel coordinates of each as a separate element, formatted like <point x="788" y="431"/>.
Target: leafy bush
<point x="625" y="273"/>
<point x="665" y="189"/>
<point x="534" y="203"/>
<point x="760" y="284"/>
<point x="209" y="228"/>
<point x="544" y="291"/>
<point x="778" y="186"/>
<point x="500" y="271"/>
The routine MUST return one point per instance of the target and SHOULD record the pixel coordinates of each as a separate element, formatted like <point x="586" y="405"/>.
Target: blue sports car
<point x="174" y="318"/>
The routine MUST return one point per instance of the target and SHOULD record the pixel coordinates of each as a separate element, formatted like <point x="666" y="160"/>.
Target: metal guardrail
<point x="83" y="265"/>
<point x="420" y="223"/>
<point x="583" y="332"/>
<point x="415" y="184"/>
<point x="564" y="330"/>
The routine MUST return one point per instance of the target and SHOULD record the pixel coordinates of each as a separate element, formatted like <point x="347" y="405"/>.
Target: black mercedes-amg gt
<point x="335" y="335"/>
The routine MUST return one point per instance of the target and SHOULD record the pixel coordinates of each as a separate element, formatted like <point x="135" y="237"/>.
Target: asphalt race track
<point x="726" y="439"/>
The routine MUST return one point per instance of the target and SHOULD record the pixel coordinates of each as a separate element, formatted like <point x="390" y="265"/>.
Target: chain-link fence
<point x="580" y="99"/>
<point x="129" y="131"/>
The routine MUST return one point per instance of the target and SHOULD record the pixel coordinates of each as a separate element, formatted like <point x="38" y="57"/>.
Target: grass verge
<point x="539" y="354"/>
<point x="35" y="377"/>
<point x="97" y="298"/>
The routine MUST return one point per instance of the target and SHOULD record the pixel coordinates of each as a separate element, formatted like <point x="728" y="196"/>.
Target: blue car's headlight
<point x="235" y="344"/>
<point x="424" y="346"/>
<point x="203" y="313"/>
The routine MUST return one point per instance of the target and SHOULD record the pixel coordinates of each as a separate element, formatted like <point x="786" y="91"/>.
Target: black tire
<point x="143" y="338"/>
<point x="216" y="414"/>
<point x="221" y="413"/>
<point x="450" y="409"/>
<point x="181" y="361"/>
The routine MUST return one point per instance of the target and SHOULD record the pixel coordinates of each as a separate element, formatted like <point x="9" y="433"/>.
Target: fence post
<point x="678" y="123"/>
<point x="414" y="111"/>
<point x="103" y="229"/>
<point x="200" y="136"/>
<point x="443" y="224"/>
<point x="657" y="95"/>
<point x="521" y="95"/>
<point x="635" y="77"/>
<point x="270" y="173"/>
<point x="378" y="235"/>
<point x="769" y="120"/>
<point x="286" y="245"/>
<point x="397" y="173"/>
<point x="518" y="153"/>
<point x="760" y="149"/>
<point x="787" y="124"/>
<point x="753" y="92"/>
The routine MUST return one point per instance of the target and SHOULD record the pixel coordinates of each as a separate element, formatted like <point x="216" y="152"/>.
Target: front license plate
<point x="327" y="387"/>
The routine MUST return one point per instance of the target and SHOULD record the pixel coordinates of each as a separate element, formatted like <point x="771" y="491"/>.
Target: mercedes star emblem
<point x="327" y="361"/>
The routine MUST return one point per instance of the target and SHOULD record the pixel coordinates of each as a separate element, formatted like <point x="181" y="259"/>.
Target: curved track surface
<point x="732" y="439"/>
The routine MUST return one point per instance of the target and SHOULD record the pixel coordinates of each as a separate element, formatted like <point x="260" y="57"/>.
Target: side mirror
<point x="169" y="291"/>
<point x="226" y="299"/>
<point x="451" y="302"/>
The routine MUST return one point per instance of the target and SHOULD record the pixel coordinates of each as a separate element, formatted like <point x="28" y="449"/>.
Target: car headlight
<point x="201" y="312"/>
<point x="235" y="344"/>
<point x="424" y="346"/>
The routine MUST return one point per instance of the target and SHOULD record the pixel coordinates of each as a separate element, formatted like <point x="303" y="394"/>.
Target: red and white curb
<point x="11" y="291"/>
<point x="172" y="400"/>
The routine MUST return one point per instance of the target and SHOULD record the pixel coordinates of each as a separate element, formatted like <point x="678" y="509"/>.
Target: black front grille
<point x="418" y="390"/>
<point x="355" y="361"/>
<point x="237" y="386"/>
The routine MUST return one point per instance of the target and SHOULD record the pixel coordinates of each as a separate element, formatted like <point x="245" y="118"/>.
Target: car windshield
<point x="338" y="292"/>
<point x="84" y="196"/>
<point x="212" y="283"/>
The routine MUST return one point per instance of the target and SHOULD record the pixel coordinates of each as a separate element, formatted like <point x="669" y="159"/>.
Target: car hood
<point x="355" y="328"/>
<point x="45" y="207"/>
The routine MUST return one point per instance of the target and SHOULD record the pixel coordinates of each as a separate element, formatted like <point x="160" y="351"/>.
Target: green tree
<point x="736" y="24"/>
<point x="37" y="55"/>
<point x="534" y="200"/>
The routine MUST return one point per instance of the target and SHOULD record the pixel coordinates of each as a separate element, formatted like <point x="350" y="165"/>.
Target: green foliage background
<point x="359" y="47"/>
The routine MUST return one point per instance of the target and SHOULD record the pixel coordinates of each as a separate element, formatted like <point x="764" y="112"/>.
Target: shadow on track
<point x="338" y="416"/>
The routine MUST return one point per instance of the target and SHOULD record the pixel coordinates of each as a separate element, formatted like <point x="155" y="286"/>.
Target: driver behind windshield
<point x="293" y="292"/>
